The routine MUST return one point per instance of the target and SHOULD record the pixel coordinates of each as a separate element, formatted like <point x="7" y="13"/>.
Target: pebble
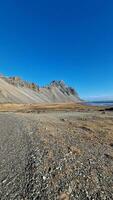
<point x="44" y="178"/>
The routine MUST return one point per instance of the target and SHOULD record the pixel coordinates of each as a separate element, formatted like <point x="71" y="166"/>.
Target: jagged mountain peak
<point x="63" y="87"/>
<point x="57" y="83"/>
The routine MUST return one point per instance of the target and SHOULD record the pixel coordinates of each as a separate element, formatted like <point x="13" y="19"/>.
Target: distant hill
<point x="16" y="90"/>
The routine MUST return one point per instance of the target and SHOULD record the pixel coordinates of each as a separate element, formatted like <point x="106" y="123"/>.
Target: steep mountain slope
<point x="15" y="90"/>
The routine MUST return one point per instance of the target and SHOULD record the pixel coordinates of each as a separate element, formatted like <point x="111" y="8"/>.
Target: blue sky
<point x="44" y="40"/>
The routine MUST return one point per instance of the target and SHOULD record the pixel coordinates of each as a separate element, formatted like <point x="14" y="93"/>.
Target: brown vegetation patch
<point x="43" y="107"/>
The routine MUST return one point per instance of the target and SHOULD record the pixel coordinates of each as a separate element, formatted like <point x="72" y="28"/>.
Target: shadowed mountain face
<point x="16" y="90"/>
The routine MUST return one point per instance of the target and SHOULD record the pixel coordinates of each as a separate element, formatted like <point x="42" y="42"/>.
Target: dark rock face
<point x="63" y="87"/>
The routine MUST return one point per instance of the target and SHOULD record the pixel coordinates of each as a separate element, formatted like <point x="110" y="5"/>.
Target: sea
<point x="100" y="103"/>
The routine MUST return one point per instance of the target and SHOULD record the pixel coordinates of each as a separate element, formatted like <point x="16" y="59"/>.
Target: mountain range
<point x="16" y="90"/>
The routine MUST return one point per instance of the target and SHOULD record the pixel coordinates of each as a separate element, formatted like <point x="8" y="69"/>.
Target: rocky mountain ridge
<point x="16" y="90"/>
<point x="17" y="81"/>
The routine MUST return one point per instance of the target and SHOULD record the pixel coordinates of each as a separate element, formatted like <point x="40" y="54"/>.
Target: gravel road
<point x="56" y="156"/>
<point x="16" y="153"/>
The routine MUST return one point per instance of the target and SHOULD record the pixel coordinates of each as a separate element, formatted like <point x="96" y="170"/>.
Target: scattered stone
<point x="108" y="156"/>
<point x="62" y="119"/>
<point x="111" y="144"/>
<point x="44" y="178"/>
<point x="64" y="196"/>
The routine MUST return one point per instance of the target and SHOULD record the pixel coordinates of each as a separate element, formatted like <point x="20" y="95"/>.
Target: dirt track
<point x="56" y="155"/>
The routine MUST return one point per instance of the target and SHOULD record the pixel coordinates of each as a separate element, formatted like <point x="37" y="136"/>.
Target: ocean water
<point x="100" y="103"/>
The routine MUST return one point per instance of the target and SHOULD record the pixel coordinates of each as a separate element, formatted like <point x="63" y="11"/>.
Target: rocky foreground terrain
<point x="56" y="155"/>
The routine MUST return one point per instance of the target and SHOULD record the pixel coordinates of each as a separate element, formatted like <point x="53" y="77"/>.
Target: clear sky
<point x="70" y="40"/>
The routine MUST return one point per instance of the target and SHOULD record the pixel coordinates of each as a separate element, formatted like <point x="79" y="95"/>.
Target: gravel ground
<point x="56" y="156"/>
